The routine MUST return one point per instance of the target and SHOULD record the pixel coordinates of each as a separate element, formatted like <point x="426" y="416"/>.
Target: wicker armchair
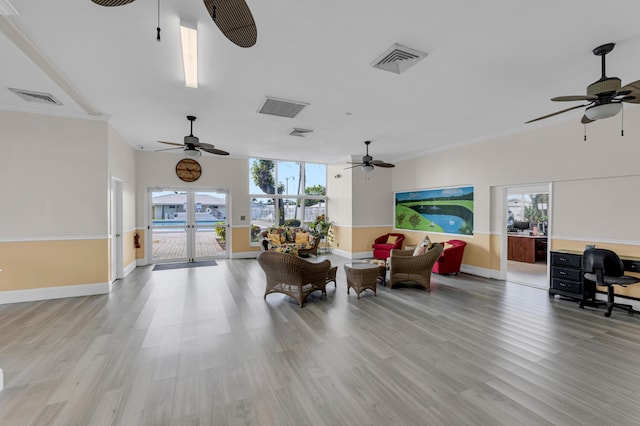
<point x="295" y="277"/>
<point x="312" y="250"/>
<point x="404" y="266"/>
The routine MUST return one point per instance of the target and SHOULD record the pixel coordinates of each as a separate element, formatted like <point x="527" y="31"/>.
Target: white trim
<point x="130" y="268"/>
<point x="1" y="379"/>
<point x="54" y="238"/>
<point x="244" y="255"/>
<point x="30" y="295"/>
<point x="595" y="240"/>
<point x="481" y="272"/>
<point x="141" y="262"/>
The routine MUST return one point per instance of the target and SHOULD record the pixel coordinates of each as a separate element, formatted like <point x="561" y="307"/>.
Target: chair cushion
<point x="392" y="239"/>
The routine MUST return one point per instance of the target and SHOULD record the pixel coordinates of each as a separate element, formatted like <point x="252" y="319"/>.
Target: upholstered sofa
<point x="289" y="239"/>
<point x="383" y="245"/>
<point x="451" y="258"/>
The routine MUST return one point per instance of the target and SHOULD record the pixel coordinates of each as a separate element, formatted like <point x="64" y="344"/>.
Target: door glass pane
<point x="313" y="209"/>
<point x="168" y="225"/>
<point x="210" y="224"/>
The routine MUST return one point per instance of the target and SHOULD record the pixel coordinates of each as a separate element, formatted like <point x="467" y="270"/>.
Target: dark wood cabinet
<point x="567" y="277"/>
<point x="526" y="248"/>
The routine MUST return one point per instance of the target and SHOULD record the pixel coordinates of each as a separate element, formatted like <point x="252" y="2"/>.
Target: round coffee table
<point x="362" y="276"/>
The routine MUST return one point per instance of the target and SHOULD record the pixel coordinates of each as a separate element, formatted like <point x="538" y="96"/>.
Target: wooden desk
<point x="526" y="248"/>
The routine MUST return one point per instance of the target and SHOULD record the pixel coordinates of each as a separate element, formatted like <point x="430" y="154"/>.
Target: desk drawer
<point x="566" y="259"/>
<point x="574" y="287"/>
<point x="570" y="274"/>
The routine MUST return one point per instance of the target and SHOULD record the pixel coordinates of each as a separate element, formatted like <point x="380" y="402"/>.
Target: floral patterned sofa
<point x="290" y="239"/>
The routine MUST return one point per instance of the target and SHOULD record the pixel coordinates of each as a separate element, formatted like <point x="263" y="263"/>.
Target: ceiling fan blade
<point x="167" y="149"/>
<point x="234" y="19"/>
<point x="574" y="98"/>
<point x="171" y="143"/>
<point x="356" y="165"/>
<point x="383" y="164"/>
<point x="354" y="162"/>
<point x="556" y="113"/>
<point x="631" y="92"/>
<point x="211" y="149"/>
<point x="586" y="120"/>
<point x="111" y="3"/>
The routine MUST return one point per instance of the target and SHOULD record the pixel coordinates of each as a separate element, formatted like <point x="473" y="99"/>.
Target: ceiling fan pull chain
<point x="585" y="132"/>
<point x="622" y="124"/>
<point x="158" y="27"/>
<point x="213" y="11"/>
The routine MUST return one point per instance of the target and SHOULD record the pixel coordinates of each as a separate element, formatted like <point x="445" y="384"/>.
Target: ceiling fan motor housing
<point x="604" y="86"/>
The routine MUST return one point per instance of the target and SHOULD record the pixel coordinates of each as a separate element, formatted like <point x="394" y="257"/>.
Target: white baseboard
<point x="244" y="255"/>
<point x="141" y="262"/>
<point x="129" y="268"/>
<point x="350" y="255"/>
<point x="30" y="295"/>
<point x="481" y="272"/>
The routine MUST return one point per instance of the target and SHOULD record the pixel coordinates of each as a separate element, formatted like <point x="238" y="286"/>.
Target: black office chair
<point x="605" y="268"/>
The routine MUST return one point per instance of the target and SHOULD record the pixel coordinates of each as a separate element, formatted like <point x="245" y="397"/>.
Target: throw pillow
<point x="423" y="246"/>
<point x="392" y="239"/>
<point x="302" y="237"/>
<point x="274" y="239"/>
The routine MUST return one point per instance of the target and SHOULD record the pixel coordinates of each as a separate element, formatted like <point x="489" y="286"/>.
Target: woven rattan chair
<point x="295" y="277"/>
<point x="312" y="250"/>
<point x="404" y="266"/>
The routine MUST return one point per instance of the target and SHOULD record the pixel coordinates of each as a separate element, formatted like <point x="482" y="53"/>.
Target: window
<point x="285" y="193"/>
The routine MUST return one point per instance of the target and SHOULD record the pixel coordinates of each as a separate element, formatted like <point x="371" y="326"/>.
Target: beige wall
<point x="54" y="216"/>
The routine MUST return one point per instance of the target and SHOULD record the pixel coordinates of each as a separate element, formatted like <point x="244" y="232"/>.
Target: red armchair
<point x="383" y="245"/>
<point x="451" y="258"/>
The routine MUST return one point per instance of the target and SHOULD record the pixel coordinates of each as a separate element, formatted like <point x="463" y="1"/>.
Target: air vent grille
<point x="296" y="131"/>
<point x="38" y="97"/>
<point x="281" y="107"/>
<point x="398" y="58"/>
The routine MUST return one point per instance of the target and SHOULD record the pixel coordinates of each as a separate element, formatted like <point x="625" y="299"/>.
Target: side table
<point x="362" y="276"/>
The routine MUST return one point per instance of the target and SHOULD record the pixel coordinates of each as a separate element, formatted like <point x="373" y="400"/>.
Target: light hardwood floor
<point x="201" y="347"/>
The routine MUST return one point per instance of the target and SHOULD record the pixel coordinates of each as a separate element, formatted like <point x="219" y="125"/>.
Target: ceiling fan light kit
<point x="598" y="112"/>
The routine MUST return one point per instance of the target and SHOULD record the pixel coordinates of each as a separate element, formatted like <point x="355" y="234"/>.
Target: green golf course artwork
<point x="446" y="210"/>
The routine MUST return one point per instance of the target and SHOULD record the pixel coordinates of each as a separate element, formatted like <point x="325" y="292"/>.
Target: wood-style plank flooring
<point x="201" y="347"/>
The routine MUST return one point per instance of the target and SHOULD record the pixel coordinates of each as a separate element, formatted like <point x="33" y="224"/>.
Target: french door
<point x="188" y="225"/>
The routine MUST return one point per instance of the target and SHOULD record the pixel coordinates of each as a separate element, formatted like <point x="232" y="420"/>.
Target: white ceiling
<point x="491" y="66"/>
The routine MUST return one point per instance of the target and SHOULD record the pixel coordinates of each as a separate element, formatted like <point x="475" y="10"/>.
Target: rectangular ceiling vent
<point x="281" y="107"/>
<point x="398" y="58"/>
<point x="39" y="97"/>
<point x="297" y="131"/>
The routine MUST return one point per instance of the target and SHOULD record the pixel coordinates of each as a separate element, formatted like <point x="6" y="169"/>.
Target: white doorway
<point x="115" y="235"/>
<point x="527" y="212"/>
<point x="188" y="225"/>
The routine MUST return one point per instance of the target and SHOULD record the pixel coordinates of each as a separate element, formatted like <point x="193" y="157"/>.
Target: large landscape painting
<point x="446" y="210"/>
